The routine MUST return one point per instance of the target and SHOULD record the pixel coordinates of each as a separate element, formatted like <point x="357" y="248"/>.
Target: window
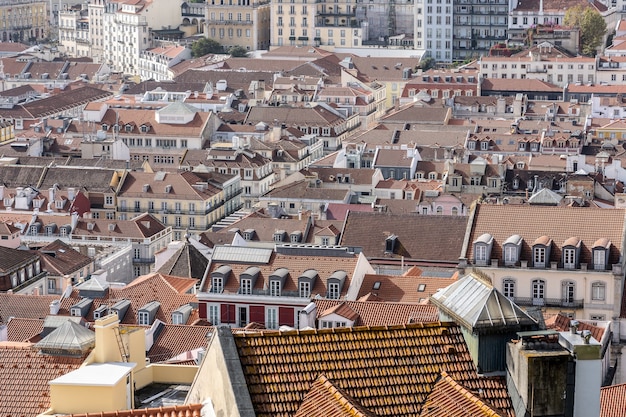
<point x="177" y="318"/>
<point x="213" y="314"/>
<point x="271" y="318"/>
<point x="598" y="291"/>
<point x="275" y="288"/>
<point x="333" y="290"/>
<point x="481" y="253"/>
<point x="599" y="259"/>
<point x="52" y="285"/>
<point x="246" y="286"/>
<point x="568" y="291"/>
<point x="305" y="289"/>
<point x="144" y="318"/>
<point x="569" y="258"/>
<point x="539" y="257"/>
<point x="325" y="241"/>
<point x="509" y="288"/>
<point x="538" y="291"/>
<point x="108" y="200"/>
<point x="510" y="255"/>
<point x="217" y="285"/>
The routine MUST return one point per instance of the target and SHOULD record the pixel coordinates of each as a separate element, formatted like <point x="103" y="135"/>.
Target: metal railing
<point x="548" y="302"/>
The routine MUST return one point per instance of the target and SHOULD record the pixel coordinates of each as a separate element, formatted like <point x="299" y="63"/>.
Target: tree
<point x="205" y="46"/>
<point x="238" y="52"/>
<point x="427" y="63"/>
<point x="591" y="24"/>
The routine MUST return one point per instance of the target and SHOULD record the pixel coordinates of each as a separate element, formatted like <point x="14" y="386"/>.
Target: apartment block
<point x="434" y="28"/>
<point x="478" y="25"/>
<point x="74" y="31"/>
<point x="23" y="20"/>
<point x="239" y="23"/>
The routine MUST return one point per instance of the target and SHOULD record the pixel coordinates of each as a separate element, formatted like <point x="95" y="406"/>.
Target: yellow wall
<point x="67" y="399"/>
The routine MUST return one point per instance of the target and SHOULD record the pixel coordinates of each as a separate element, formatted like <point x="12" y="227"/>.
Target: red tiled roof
<point x="562" y="323"/>
<point x="613" y="401"/>
<point x="374" y="313"/>
<point x="25" y="375"/>
<point x="404" y="288"/>
<point x="25" y="306"/>
<point x="325" y="399"/>
<point x="22" y="330"/>
<point x="388" y="370"/>
<point x="174" y="340"/>
<point x="450" y="399"/>
<point x="188" y="410"/>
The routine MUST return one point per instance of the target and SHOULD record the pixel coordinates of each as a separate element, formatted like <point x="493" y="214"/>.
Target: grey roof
<point x="241" y="254"/>
<point x="69" y="338"/>
<point x="93" y="285"/>
<point x="545" y="196"/>
<point x="178" y="108"/>
<point x="475" y="303"/>
<point x="186" y="262"/>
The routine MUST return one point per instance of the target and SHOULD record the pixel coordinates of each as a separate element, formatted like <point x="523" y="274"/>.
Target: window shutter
<point x="227" y="313"/>
<point x="202" y="310"/>
<point x="257" y="314"/>
<point x="285" y="316"/>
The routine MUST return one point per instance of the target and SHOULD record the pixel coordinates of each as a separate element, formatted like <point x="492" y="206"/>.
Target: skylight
<point x="376" y="285"/>
<point x="421" y="288"/>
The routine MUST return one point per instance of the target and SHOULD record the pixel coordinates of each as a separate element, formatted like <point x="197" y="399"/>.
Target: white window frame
<point x="480" y="254"/>
<point x="217" y="285"/>
<point x="275" y="288"/>
<point x="569" y="258"/>
<point x="599" y="259"/>
<point x="539" y="257"/>
<point x="304" y="289"/>
<point x="568" y="291"/>
<point x="246" y="286"/>
<point x="213" y="314"/>
<point x="538" y="291"/>
<point x="143" y="318"/>
<point x="177" y="318"/>
<point x="333" y="291"/>
<point x="271" y="317"/>
<point x="508" y="288"/>
<point x="510" y="254"/>
<point x="598" y="291"/>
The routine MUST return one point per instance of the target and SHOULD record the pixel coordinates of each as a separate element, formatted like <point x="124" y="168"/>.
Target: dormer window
<point x="277" y="281"/>
<point x="147" y="313"/>
<point x="335" y="284"/>
<point x="306" y="282"/>
<point x="59" y="204"/>
<point x="248" y="234"/>
<point x="571" y="252"/>
<point x="105" y="127"/>
<point x="541" y="252"/>
<point x="482" y="249"/>
<point x="512" y="248"/>
<point x="278" y="235"/>
<point x="390" y="244"/>
<point x="601" y="249"/>
<point x="296" y="237"/>
<point x="248" y="279"/>
<point x="128" y="127"/>
<point x="219" y="277"/>
<point x="144" y="128"/>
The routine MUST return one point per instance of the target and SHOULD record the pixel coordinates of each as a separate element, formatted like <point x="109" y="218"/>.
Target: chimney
<point x="51" y="192"/>
<point x="74" y="220"/>
<point x="1" y="192"/>
<point x="54" y="307"/>
<point x="71" y="193"/>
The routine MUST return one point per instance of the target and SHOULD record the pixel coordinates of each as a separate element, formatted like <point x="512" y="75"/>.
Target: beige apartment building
<point x="23" y="20"/>
<point x="239" y="23"/>
<point x="318" y="23"/>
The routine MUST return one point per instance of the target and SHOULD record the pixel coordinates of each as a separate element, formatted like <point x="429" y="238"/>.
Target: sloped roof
<point x="374" y="313"/>
<point x="450" y="399"/>
<point x="187" y="410"/>
<point x="477" y="304"/>
<point x="613" y="401"/>
<point x="545" y="197"/>
<point x="388" y="370"/>
<point x="562" y="323"/>
<point x="425" y="238"/>
<point x="406" y="288"/>
<point x="325" y="399"/>
<point x="25" y="375"/>
<point x="174" y="340"/>
<point x="186" y="262"/>
<point x="25" y="306"/>
<point x="21" y="330"/>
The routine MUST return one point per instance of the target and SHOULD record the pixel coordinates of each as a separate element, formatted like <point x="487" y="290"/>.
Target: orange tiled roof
<point x="325" y="399"/>
<point x="25" y="375"/>
<point x="613" y="401"/>
<point x="450" y="399"/>
<point x="21" y="329"/>
<point x="373" y="313"/>
<point x="174" y="340"/>
<point x="557" y="223"/>
<point x="404" y="288"/>
<point x="25" y="306"/>
<point x="188" y="410"/>
<point x="388" y="370"/>
<point x="562" y="323"/>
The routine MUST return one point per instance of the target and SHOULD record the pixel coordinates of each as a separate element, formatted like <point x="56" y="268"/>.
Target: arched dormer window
<point x="247" y="280"/>
<point x="219" y="278"/>
<point x="601" y="249"/>
<point x="482" y="249"/>
<point x="277" y="281"/>
<point x="335" y="284"/>
<point x="512" y="247"/>
<point x="306" y="282"/>
<point x="571" y="253"/>
<point x="541" y="251"/>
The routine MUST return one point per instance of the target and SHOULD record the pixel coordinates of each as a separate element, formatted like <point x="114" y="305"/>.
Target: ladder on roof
<point x="120" y="344"/>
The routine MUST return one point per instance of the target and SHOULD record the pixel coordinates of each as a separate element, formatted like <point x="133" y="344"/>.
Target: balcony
<point x="548" y="302"/>
<point x="143" y="260"/>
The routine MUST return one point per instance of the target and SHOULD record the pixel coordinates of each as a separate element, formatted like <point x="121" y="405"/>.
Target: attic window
<point x="390" y="244"/>
<point x="376" y="285"/>
<point x="144" y="128"/>
<point x="421" y="288"/>
<point x="128" y="128"/>
<point x="105" y="127"/>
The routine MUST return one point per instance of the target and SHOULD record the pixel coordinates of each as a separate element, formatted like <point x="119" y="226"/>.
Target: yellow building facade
<point x="239" y="23"/>
<point x="23" y="21"/>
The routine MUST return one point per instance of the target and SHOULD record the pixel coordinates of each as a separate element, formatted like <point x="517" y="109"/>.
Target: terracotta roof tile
<point x="25" y="306"/>
<point x="613" y="401"/>
<point x="590" y="224"/>
<point x="325" y="399"/>
<point x="174" y="340"/>
<point x="23" y="330"/>
<point x="373" y="313"/>
<point x="188" y="410"/>
<point x="406" y="289"/>
<point x="562" y="323"/>
<point x="390" y="371"/>
<point x="450" y="399"/>
<point x="25" y="374"/>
